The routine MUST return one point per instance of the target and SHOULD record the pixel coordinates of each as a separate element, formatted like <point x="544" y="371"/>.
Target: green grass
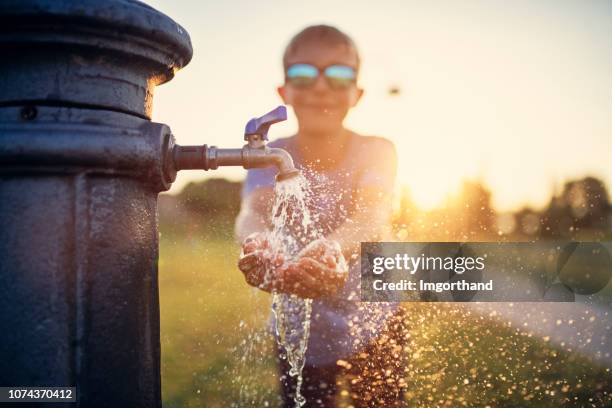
<point x="208" y="314"/>
<point x="460" y="359"/>
<point x="216" y="352"/>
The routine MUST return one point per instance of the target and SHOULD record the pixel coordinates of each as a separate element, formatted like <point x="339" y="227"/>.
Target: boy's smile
<point x="320" y="109"/>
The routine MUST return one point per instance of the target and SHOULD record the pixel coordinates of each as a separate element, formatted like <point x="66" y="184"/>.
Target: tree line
<point x="581" y="210"/>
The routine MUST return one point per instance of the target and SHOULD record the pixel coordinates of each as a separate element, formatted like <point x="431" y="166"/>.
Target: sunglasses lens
<point x="340" y="76"/>
<point x="302" y="75"/>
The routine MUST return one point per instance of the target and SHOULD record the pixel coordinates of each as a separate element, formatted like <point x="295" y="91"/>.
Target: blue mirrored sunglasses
<point x="305" y="75"/>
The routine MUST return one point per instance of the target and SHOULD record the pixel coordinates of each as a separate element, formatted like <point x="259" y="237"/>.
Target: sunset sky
<point x="518" y="94"/>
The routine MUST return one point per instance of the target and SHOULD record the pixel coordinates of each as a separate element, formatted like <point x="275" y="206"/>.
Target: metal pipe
<point x="254" y="154"/>
<point x="211" y="158"/>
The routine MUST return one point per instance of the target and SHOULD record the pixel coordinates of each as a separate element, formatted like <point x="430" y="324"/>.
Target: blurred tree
<point x="528" y="221"/>
<point x="403" y="220"/>
<point x="473" y="214"/>
<point x="201" y="208"/>
<point x="215" y="197"/>
<point x="467" y="216"/>
<point x="588" y="202"/>
<point x="582" y="205"/>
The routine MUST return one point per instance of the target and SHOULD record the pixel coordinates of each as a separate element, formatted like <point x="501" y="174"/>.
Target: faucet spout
<point x="210" y="158"/>
<point x="271" y="156"/>
<point x="254" y="154"/>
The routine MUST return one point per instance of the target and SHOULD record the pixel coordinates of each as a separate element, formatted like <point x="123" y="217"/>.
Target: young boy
<point x="351" y="178"/>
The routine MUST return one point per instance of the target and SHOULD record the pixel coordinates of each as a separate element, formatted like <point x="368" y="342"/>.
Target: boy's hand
<point x="256" y="258"/>
<point x="319" y="270"/>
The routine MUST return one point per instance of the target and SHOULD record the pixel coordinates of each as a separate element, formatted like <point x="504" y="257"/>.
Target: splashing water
<point x="292" y="330"/>
<point x="292" y="230"/>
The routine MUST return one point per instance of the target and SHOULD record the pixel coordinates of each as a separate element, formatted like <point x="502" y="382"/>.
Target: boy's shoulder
<point x="374" y="144"/>
<point x="373" y="139"/>
<point x="371" y="146"/>
<point x="362" y="140"/>
<point x="281" y="142"/>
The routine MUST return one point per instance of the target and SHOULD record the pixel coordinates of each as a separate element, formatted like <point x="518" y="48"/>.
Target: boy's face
<point x="319" y="108"/>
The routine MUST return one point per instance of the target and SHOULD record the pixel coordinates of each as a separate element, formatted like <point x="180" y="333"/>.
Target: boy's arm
<point x="254" y="213"/>
<point x="370" y="222"/>
<point x="255" y="207"/>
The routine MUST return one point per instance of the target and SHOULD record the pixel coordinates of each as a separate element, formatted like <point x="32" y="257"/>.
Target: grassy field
<point x="213" y="345"/>
<point x="216" y="352"/>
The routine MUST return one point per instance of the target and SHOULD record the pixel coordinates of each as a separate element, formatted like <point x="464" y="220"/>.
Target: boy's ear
<point x="282" y="92"/>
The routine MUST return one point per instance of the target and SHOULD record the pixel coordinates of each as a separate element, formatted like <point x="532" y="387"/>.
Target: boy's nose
<point x="321" y="84"/>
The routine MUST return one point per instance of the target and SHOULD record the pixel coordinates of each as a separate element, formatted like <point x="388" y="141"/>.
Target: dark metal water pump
<point x="81" y="166"/>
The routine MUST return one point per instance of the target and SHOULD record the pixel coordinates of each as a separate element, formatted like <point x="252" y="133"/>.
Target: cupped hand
<point x="319" y="270"/>
<point x="257" y="258"/>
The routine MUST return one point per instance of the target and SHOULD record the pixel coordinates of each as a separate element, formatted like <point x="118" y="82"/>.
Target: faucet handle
<point x="261" y="125"/>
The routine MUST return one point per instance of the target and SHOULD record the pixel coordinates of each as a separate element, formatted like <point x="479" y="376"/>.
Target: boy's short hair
<point x="322" y="34"/>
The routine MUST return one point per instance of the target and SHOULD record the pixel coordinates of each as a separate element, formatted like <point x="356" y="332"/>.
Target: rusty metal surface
<point x="102" y="142"/>
<point x="80" y="170"/>
<point x="79" y="299"/>
<point x="87" y="53"/>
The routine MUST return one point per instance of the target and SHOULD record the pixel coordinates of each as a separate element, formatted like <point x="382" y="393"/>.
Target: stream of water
<point x="292" y="230"/>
